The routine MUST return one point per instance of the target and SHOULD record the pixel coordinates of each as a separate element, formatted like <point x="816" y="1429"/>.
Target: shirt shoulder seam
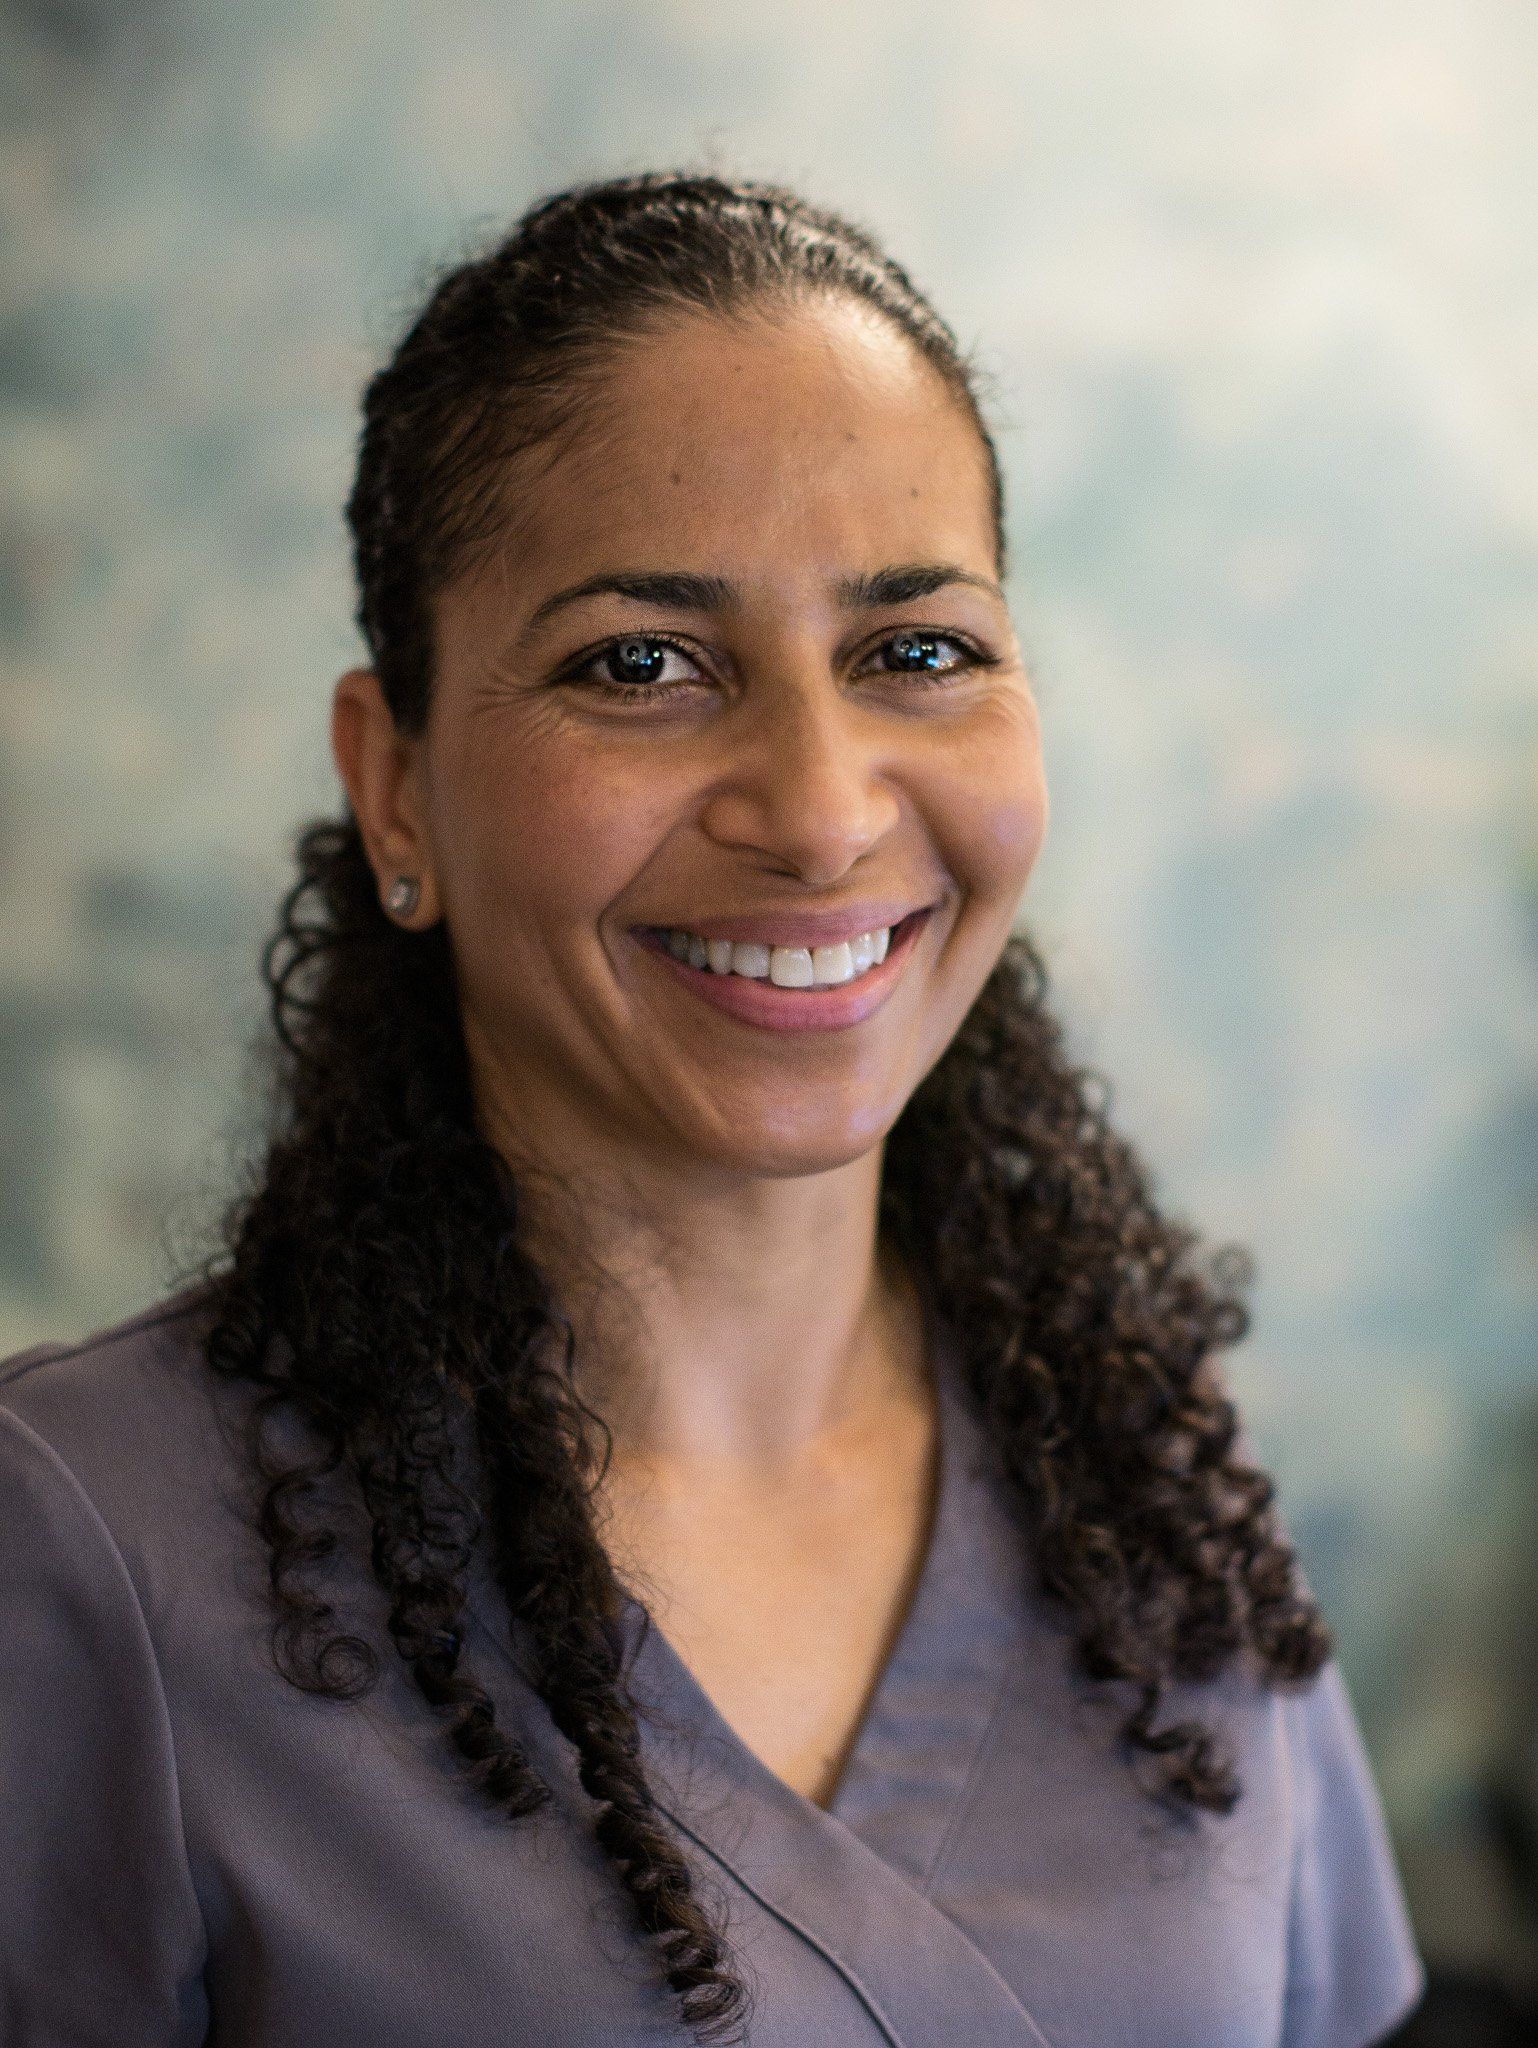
<point x="23" y="1362"/>
<point x="94" y="1519"/>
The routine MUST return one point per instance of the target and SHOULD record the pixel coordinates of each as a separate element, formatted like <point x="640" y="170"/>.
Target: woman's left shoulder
<point x="1353" y="1968"/>
<point x="1277" y="1924"/>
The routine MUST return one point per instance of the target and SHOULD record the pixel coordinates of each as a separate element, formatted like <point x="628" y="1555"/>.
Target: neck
<point x="742" y="1323"/>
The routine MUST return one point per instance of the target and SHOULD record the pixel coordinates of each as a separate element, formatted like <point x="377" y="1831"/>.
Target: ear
<point x="381" y="769"/>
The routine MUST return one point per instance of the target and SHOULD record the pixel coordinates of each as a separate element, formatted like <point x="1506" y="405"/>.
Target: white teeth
<point x="833" y="964"/>
<point x="785" y="966"/>
<point x="790" y="967"/>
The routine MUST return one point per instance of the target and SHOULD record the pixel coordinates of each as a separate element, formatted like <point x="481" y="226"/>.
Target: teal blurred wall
<point x="1257" y="288"/>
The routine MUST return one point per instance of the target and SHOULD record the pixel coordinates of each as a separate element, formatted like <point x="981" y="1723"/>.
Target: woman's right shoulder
<point x="140" y="1357"/>
<point x="132" y="1412"/>
<point x="148" y="1328"/>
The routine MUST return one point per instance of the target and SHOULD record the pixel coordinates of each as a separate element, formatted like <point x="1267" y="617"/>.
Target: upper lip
<point x="799" y="927"/>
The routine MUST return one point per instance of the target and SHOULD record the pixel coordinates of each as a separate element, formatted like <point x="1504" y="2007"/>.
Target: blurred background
<point x="1256" y="292"/>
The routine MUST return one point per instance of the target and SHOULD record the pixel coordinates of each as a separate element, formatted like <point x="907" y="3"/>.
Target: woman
<point x="688" y="1303"/>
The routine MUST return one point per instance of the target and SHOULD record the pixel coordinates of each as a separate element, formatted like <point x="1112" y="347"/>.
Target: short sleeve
<point x="101" y="1940"/>
<point x="1353" y="1971"/>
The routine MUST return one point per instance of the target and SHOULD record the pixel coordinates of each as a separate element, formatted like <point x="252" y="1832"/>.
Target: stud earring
<point x="404" y="894"/>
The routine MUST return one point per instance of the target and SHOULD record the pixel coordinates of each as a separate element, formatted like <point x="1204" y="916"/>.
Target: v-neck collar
<point x="911" y="1757"/>
<point x="854" y="1879"/>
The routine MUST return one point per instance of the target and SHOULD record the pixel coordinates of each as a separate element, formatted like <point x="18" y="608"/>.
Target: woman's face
<point x="803" y="718"/>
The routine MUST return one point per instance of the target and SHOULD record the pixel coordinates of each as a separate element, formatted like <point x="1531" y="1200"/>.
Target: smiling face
<point x="810" y="720"/>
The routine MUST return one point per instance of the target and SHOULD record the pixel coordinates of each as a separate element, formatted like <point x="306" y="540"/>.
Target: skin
<point x="704" y="1191"/>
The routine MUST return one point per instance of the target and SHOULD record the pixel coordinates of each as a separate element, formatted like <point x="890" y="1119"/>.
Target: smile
<point x="788" y="988"/>
<point x="785" y="966"/>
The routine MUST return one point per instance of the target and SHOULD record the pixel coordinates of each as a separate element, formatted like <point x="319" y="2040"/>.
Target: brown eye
<point x="918" y="653"/>
<point x="631" y="667"/>
<point x="636" y="660"/>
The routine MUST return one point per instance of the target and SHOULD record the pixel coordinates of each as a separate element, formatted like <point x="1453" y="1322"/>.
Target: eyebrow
<point x="680" y="590"/>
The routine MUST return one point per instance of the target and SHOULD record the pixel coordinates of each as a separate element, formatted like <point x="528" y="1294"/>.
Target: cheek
<point x="1011" y="827"/>
<point x="541" y="839"/>
<point x="991" y="808"/>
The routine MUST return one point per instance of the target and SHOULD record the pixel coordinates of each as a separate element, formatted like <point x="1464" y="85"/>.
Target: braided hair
<point x="372" y="1271"/>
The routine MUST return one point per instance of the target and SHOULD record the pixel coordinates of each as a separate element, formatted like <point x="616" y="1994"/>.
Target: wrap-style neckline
<point x="854" y="1878"/>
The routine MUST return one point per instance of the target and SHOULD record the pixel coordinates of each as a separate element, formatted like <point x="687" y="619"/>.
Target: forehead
<point x="810" y="442"/>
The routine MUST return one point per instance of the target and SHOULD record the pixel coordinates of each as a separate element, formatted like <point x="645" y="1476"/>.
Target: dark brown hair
<point x="375" y="1263"/>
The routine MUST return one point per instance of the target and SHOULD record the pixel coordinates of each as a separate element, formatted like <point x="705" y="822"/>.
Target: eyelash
<point x="629" y="693"/>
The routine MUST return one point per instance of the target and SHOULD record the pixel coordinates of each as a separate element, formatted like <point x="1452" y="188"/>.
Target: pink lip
<point x="794" y="1009"/>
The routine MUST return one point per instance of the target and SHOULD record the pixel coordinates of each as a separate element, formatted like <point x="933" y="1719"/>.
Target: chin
<point x="787" y="1152"/>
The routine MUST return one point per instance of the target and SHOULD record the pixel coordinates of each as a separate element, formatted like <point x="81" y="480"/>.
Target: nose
<point x="806" y="783"/>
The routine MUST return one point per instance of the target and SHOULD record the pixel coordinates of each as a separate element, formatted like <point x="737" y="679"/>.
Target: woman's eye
<point x="632" y="667"/>
<point x="916" y="653"/>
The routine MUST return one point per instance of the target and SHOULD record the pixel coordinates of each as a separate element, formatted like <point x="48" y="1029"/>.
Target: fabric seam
<point x="27" y="1360"/>
<point x="969" y="1784"/>
<point x="95" y="1518"/>
<point x="850" y="1975"/>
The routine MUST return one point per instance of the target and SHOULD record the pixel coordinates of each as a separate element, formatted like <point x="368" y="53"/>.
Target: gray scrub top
<point x="196" y="1851"/>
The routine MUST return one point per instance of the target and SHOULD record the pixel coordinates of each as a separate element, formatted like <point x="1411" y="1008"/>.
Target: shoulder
<point x="1353" y="1967"/>
<point x="131" y="1425"/>
<point x="180" y="1306"/>
<point x="135" y="1350"/>
<point x="120" y="1391"/>
<point x="177" y="1317"/>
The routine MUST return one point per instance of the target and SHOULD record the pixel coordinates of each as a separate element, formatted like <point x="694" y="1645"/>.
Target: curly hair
<point x="372" y="1272"/>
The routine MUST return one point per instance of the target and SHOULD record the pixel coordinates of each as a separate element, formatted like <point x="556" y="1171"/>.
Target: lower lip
<point x="794" y="1009"/>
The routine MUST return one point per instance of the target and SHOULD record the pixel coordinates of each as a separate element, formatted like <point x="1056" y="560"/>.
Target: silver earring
<point x="405" y="893"/>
